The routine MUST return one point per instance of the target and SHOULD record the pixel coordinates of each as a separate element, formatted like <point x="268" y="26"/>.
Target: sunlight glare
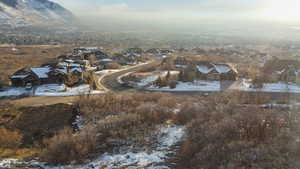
<point x="284" y="10"/>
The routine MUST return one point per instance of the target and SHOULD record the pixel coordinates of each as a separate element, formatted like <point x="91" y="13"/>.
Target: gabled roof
<point x="222" y="68"/>
<point x="19" y="76"/>
<point x="41" y="72"/>
<point x="205" y="68"/>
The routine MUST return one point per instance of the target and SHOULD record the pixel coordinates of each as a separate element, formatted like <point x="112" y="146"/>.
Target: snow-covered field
<point x="279" y="87"/>
<point x="50" y="90"/>
<point x="205" y="86"/>
<point x="147" y="79"/>
<point x="14" y="92"/>
<point x="168" y="137"/>
<point x="62" y="90"/>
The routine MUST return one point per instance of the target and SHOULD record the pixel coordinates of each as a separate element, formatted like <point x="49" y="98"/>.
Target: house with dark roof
<point x="37" y="76"/>
<point x="211" y="71"/>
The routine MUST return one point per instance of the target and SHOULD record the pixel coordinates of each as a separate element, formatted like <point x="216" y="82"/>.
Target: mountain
<point x="33" y="12"/>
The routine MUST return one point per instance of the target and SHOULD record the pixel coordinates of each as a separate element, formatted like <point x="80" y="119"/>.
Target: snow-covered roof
<point x="106" y="60"/>
<point x="280" y="71"/>
<point x="204" y="69"/>
<point x="69" y="60"/>
<point x="74" y="65"/>
<point x="19" y="76"/>
<point x="222" y="68"/>
<point x="78" y="69"/>
<point x="41" y="72"/>
<point x="63" y="64"/>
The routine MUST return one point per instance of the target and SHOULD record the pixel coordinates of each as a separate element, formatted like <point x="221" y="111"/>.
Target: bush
<point x="10" y="139"/>
<point x="113" y="65"/>
<point x="173" y="84"/>
<point x="66" y="147"/>
<point x="187" y="113"/>
<point x="153" y="113"/>
<point x="250" y="138"/>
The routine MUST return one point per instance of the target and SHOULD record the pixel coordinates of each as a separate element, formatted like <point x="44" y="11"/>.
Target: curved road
<point x="110" y="82"/>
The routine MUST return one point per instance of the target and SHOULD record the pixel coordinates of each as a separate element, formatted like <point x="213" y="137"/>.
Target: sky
<point x="185" y="10"/>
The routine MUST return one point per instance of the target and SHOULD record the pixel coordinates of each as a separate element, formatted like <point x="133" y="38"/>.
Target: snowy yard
<point x="168" y="137"/>
<point x="279" y="87"/>
<point x="50" y="90"/>
<point x="14" y="92"/>
<point x="146" y="80"/>
<point x="205" y="86"/>
<point x="62" y="90"/>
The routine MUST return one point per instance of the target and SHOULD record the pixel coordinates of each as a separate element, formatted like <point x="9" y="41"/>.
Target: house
<point x="181" y="62"/>
<point x="135" y="50"/>
<point x="153" y="51"/>
<point x="47" y="74"/>
<point x="165" y="51"/>
<point x="83" y="50"/>
<point x="211" y="71"/>
<point x="95" y="55"/>
<point x="37" y="76"/>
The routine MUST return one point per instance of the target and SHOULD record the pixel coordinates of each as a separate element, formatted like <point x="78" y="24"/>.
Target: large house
<point x="212" y="71"/>
<point x="203" y="70"/>
<point x="181" y="62"/>
<point x="48" y="74"/>
<point x="36" y="76"/>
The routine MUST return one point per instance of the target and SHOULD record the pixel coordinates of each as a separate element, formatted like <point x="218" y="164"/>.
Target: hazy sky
<point x="149" y="10"/>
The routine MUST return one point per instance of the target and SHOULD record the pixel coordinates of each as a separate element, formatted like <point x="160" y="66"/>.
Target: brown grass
<point x="10" y="139"/>
<point x="66" y="146"/>
<point x="249" y="138"/>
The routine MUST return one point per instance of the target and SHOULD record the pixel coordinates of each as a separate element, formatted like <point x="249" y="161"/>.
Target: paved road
<point x="110" y="82"/>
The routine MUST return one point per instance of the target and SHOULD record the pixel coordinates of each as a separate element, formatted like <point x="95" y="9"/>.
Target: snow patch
<point x="201" y="85"/>
<point x="10" y="92"/>
<point x="279" y="87"/>
<point x="62" y="90"/>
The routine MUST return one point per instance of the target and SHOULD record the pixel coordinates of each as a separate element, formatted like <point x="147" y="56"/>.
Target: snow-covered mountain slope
<point x="30" y="12"/>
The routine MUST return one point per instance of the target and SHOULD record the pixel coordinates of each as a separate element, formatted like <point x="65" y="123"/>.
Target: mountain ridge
<point x="33" y="12"/>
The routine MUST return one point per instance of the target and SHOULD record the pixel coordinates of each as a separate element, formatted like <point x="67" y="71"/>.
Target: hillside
<point x="18" y="13"/>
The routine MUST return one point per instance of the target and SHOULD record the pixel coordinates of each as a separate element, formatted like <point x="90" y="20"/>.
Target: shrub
<point x="173" y="84"/>
<point x="187" y="113"/>
<point x="153" y="113"/>
<point x="113" y="65"/>
<point x="10" y="139"/>
<point x="250" y="138"/>
<point x="66" y="147"/>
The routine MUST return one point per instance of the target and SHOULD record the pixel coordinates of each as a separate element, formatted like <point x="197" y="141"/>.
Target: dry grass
<point x="246" y="138"/>
<point x="10" y="139"/>
<point x="27" y="127"/>
<point x="66" y="146"/>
